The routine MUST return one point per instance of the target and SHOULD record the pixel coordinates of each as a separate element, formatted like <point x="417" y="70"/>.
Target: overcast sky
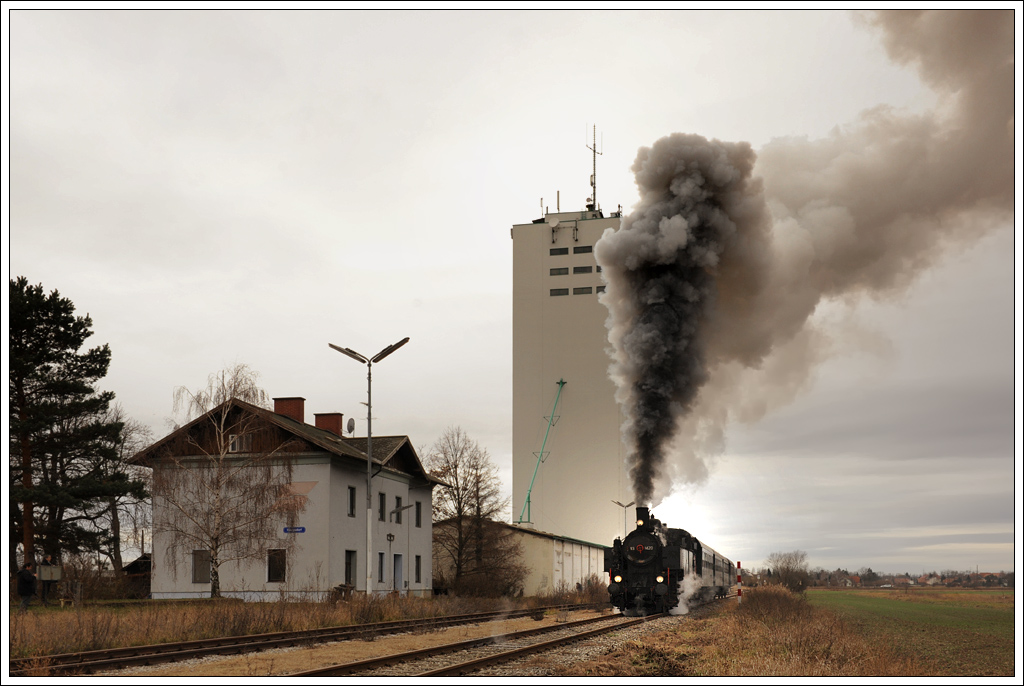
<point x="222" y="187"/>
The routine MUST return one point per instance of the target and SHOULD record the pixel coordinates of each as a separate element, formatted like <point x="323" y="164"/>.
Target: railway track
<point x="118" y="658"/>
<point x="465" y="657"/>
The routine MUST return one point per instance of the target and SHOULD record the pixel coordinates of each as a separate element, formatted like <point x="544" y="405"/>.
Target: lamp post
<point x="369" y="443"/>
<point x="631" y="502"/>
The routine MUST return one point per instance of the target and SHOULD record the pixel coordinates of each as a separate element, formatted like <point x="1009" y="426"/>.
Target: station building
<point x="323" y="547"/>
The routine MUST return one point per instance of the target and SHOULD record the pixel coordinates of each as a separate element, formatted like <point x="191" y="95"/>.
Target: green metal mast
<point x="540" y="456"/>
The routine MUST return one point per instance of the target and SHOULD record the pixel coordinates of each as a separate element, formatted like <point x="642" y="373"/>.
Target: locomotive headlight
<point x="639" y="522"/>
<point x="659" y="578"/>
<point x="618" y="579"/>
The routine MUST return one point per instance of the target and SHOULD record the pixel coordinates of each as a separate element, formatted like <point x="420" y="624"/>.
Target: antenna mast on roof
<point x="592" y="200"/>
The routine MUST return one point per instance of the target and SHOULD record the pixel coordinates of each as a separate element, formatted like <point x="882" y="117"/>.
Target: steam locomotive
<point x="655" y="565"/>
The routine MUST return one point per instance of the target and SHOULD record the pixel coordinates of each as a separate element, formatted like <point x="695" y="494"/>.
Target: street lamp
<point x="631" y="502"/>
<point x="369" y="443"/>
<point x="399" y="510"/>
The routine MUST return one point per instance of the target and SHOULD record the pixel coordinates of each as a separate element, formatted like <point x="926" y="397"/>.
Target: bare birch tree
<point x="224" y="486"/>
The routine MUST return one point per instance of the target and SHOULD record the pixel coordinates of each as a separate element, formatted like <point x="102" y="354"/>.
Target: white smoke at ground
<point x="689" y="586"/>
<point x="713" y="279"/>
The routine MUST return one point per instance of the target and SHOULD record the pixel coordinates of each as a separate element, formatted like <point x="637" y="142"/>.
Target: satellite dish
<point x="351" y="427"/>
<point x="554" y="223"/>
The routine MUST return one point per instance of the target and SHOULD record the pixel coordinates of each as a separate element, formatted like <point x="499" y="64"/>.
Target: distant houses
<point x="840" y="578"/>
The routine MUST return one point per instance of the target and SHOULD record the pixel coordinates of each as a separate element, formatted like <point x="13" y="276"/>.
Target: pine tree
<point x="64" y="466"/>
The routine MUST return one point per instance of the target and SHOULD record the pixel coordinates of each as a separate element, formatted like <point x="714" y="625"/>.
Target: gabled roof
<point x="140" y="565"/>
<point x="395" y="452"/>
<point x="392" y="453"/>
<point x="384" y="447"/>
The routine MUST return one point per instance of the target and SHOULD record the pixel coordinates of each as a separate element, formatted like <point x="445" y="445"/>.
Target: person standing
<point x="47" y="581"/>
<point x="26" y="586"/>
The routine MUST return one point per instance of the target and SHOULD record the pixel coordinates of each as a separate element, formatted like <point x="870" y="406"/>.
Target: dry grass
<point x="52" y="631"/>
<point x="773" y="633"/>
<point x="95" y="628"/>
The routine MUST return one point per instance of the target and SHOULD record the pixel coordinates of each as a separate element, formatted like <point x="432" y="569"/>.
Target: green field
<point x="951" y="632"/>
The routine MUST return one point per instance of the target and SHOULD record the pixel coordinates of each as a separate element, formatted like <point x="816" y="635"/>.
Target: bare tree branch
<point x="473" y="552"/>
<point x="224" y="487"/>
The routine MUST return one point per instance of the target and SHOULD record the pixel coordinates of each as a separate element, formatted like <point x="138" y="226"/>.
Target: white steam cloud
<point x="713" y="278"/>
<point x="689" y="586"/>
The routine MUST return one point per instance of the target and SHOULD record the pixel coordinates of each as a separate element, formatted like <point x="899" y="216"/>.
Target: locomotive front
<point x="637" y="572"/>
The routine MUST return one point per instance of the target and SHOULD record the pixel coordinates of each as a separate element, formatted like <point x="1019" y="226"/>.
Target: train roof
<point x="704" y="547"/>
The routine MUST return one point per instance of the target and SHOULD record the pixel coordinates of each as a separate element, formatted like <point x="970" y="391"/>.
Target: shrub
<point x="773" y="604"/>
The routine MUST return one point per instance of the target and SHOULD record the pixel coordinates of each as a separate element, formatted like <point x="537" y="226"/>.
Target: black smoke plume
<point x="713" y="279"/>
<point x="660" y="268"/>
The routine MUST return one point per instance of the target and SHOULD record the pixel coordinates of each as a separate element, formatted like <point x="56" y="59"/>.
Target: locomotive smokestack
<point x="643" y="514"/>
<point x="710" y="297"/>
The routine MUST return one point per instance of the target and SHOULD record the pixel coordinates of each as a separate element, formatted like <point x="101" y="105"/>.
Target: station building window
<point x="277" y="563"/>
<point x="239" y="443"/>
<point x="350" y="567"/>
<point x="200" y="566"/>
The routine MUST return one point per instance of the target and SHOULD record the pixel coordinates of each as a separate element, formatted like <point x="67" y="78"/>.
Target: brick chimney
<point x="330" y="421"/>
<point x="293" y="408"/>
